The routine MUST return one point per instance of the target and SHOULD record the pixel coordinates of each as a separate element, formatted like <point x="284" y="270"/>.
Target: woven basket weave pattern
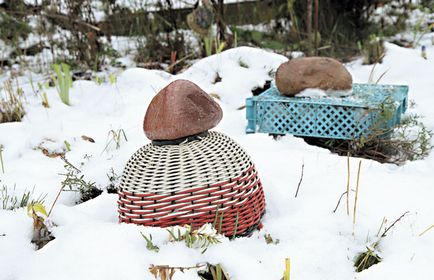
<point x="185" y="184"/>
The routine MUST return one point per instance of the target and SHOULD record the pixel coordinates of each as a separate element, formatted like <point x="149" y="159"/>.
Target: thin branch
<point x="393" y="224"/>
<point x="55" y="200"/>
<point x="301" y="179"/>
<point x="339" y="201"/>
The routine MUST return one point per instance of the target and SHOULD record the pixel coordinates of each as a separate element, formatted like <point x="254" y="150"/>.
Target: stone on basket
<point x="188" y="173"/>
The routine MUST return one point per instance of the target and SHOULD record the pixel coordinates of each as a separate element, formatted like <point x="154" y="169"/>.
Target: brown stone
<point x="179" y="110"/>
<point x="312" y="72"/>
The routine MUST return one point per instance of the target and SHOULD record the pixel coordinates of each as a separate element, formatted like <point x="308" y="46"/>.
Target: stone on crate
<point x="324" y="73"/>
<point x="179" y="110"/>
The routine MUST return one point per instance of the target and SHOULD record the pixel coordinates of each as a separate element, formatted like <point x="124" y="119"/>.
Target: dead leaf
<point x="87" y="138"/>
<point x="51" y="154"/>
<point x="41" y="234"/>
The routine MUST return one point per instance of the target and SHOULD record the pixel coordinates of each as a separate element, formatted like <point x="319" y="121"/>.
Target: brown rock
<point x="180" y="109"/>
<point x="312" y="72"/>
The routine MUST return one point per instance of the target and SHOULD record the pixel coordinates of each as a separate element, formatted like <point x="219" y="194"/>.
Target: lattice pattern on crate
<point x="359" y="115"/>
<point x="312" y="120"/>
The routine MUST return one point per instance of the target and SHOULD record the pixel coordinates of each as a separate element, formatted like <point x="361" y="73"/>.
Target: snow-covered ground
<point x="91" y="244"/>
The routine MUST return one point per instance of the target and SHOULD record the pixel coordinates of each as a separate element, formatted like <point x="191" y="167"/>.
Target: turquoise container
<point x="371" y="110"/>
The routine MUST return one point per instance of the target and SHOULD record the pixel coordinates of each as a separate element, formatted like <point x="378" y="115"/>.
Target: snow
<point x="91" y="244"/>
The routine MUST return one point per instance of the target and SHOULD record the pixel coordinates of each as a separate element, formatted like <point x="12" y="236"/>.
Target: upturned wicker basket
<point x="166" y="185"/>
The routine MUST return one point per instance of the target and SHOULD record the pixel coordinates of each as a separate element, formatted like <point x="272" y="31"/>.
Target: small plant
<point x="11" y="102"/>
<point x="371" y="256"/>
<point x="113" y="179"/>
<point x="35" y="208"/>
<point x="44" y="100"/>
<point x="270" y="240"/>
<point x="211" y="43"/>
<point x="367" y="259"/>
<point x="411" y="139"/>
<point x="213" y="272"/>
<point x="115" y="136"/>
<point x="149" y="244"/>
<point x="200" y="238"/>
<point x="67" y="146"/>
<point x="10" y="201"/>
<point x="41" y="234"/>
<point x="40" y="91"/>
<point x="63" y="81"/>
<point x="113" y="79"/>
<point x="74" y="181"/>
<point x="99" y="80"/>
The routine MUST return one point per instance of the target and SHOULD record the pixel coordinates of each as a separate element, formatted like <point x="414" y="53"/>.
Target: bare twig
<point x="301" y="179"/>
<point x="339" y="201"/>
<point x="55" y="200"/>
<point x="393" y="224"/>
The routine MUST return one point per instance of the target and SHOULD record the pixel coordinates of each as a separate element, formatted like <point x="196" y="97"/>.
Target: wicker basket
<point x="187" y="183"/>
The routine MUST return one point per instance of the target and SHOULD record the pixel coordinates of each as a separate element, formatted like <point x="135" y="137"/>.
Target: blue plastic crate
<point x="370" y="110"/>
